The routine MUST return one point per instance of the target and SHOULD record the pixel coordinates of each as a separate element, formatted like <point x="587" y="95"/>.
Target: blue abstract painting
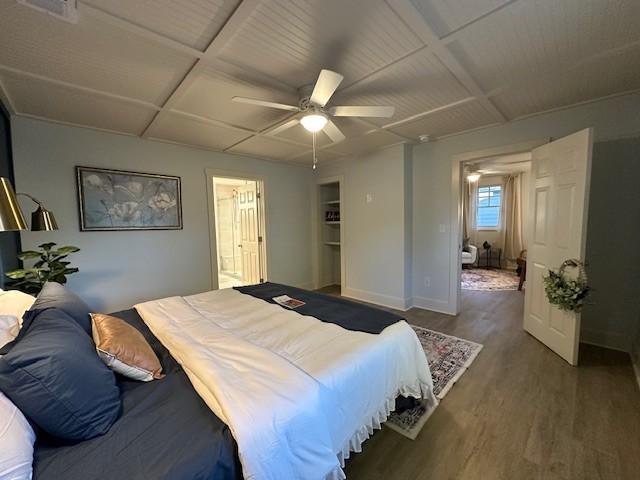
<point x="118" y="200"/>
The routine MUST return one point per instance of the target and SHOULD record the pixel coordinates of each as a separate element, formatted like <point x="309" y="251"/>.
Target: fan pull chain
<point x="315" y="158"/>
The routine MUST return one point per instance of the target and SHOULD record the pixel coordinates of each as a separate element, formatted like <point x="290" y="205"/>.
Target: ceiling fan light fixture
<point x="314" y="122"/>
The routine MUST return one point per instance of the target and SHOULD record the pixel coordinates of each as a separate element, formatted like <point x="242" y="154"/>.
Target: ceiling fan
<point x="316" y="113"/>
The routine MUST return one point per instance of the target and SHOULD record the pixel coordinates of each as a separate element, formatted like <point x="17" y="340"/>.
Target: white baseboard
<point x="611" y="340"/>
<point x="376" y="298"/>
<point x="440" y="306"/>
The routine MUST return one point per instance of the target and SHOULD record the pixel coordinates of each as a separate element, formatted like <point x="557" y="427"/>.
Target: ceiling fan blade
<point x="326" y="84"/>
<point x="284" y="126"/>
<point x="264" y="103"/>
<point x="349" y="111"/>
<point x="333" y="132"/>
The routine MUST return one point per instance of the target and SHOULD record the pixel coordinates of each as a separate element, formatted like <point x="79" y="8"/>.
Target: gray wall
<point x="613" y="245"/>
<point x="118" y="269"/>
<point x="617" y="117"/>
<point x="376" y="248"/>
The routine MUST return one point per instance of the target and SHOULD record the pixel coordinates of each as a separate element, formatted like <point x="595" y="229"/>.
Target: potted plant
<point x="50" y="265"/>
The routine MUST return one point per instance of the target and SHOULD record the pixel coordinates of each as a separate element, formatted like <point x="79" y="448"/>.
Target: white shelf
<point x="333" y="244"/>
<point x="333" y="223"/>
<point x="332" y="202"/>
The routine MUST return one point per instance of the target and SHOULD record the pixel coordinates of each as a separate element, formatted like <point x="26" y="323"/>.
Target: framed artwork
<point x="118" y="200"/>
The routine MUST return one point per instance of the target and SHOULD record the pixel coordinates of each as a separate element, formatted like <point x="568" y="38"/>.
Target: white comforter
<point x="297" y="393"/>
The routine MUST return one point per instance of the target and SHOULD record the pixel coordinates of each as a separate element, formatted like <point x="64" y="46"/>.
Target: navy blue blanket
<point x="165" y="431"/>
<point x="347" y="314"/>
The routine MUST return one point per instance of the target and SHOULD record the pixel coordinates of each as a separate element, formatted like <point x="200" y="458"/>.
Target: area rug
<point x="448" y="357"/>
<point x="489" y="280"/>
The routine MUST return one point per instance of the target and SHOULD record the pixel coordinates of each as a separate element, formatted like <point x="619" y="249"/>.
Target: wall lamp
<point x="11" y="217"/>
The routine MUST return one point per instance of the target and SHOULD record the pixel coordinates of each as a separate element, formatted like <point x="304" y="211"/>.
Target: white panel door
<point x="249" y="241"/>
<point x="560" y="177"/>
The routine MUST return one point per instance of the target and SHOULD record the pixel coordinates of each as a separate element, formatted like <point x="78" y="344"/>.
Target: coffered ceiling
<point x="167" y="69"/>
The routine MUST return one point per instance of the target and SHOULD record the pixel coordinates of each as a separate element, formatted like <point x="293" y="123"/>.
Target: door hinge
<point x="262" y="280"/>
<point x="258" y="195"/>
<point x="259" y="238"/>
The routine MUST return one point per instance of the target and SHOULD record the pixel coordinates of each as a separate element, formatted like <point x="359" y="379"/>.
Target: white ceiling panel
<point x="457" y="119"/>
<point x="444" y="16"/>
<point x="292" y="40"/>
<point x="416" y="84"/>
<point x="211" y="93"/>
<point x="262" y="147"/>
<point x="607" y="76"/>
<point x="180" y="129"/>
<point x="529" y="37"/>
<point x="190" y="22"/>
<point x="90" y="53"/>
<point x="366" y="143"/>
<point x="50" y="101"/>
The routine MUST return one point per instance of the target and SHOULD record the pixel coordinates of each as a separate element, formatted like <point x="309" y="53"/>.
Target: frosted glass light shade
<point x="313" y="122"/>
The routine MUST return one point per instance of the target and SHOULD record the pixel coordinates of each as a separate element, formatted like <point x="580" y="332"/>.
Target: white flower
<point x="161" y="202"/>
<point x="127" y="211"/>
<point x="95" y="182"/>
<point x="134" y="187"/>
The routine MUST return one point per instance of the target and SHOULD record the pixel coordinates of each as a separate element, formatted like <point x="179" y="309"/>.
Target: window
<point x="488" y="209"/>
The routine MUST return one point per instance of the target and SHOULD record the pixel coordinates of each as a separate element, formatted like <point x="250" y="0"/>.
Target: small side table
<point x="490" y="254"/>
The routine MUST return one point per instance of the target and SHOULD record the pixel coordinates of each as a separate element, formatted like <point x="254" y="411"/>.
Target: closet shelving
<point x="329" y="229"/>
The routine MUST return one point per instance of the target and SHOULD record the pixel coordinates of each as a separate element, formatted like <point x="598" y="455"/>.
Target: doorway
<point x="459" y="170"/>
<point x="239" y="242"/>
<point x="558" y="206"/>
<point x="495" y="219"/>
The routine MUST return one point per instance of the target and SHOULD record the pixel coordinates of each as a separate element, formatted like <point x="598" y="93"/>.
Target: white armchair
<point x="469" y="257"/>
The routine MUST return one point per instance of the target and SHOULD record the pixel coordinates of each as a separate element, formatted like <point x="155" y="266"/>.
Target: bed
<point x="144" y="443"/>
<point x="258" y="391"/>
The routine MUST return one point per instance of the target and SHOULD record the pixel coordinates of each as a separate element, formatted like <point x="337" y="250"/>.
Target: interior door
<point x="249" y="239"/>
<point x="560" y="177"/>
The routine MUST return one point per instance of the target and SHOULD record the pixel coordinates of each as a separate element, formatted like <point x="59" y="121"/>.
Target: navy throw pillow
<point x="54" y="295"/>
<point x="54" y="376"/>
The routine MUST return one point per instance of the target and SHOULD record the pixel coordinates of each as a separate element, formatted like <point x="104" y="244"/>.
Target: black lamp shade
<point x="11" y="217"/>
<point x="43" y="220"/>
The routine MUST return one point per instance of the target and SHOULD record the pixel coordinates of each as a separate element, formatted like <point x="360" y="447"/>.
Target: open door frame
<point x="455" y="247"/>
<point x="210" y="174"/>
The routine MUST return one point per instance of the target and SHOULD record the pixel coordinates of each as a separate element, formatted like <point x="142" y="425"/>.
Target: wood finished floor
<point x="519" y="412"/>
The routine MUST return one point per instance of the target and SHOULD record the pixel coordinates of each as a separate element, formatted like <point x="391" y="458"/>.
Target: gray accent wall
<point x="611" y="317"/>
<point x="9" y="241"/>
<point x="119" y="269"/>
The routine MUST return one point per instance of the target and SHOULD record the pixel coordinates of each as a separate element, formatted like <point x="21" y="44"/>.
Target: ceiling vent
<point x="66" y="10"/>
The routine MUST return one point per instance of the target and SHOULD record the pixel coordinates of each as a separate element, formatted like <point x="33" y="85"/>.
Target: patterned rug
<point x="448" y="357"/>
<point x="487" y="280"/>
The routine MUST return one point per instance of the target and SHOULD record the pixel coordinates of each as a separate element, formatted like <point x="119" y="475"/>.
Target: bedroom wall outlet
<point x="427" y="282"/>
<point x="443" y="228"/>
<point x="369" y="197"/>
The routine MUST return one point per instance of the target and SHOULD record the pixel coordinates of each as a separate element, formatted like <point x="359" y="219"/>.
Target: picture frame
<point x="120" y="200"/>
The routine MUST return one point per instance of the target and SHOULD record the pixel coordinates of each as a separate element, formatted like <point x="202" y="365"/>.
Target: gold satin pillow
<point x="124" y="349"/>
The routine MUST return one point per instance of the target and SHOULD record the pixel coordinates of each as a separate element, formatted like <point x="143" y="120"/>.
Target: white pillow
<point x="13" y="302"/>
<point x="16" y="442"/>
<point x="9" y="328"/>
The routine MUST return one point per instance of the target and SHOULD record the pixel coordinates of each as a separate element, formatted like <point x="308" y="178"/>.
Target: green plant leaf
<point x="66" y="250"/>
<point x="47" y="246"/>
<point x="15" y="274"/>
<point x="28" y="255"/>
